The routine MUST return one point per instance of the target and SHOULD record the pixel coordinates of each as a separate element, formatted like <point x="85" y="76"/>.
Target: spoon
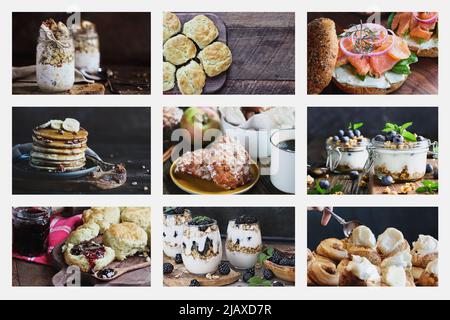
<point x="347" y="227"/>
<point x="119" y="271"/>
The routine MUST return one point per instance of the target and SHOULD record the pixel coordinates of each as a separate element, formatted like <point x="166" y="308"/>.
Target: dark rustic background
<point x="324" y="122"/>
<point x="117" y="134"/>
<point x="277" y="223"/>
<point x="124" y="36"/>
<point x="411" y="221"/>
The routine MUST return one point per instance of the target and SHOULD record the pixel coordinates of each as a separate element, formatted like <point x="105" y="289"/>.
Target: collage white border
<point x="156" y="100"/>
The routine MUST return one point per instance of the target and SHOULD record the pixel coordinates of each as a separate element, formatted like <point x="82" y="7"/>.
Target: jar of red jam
<point x="31" y="227"/>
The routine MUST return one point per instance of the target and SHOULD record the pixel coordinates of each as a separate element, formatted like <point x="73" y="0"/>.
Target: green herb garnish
<point x="429" y="187"/>
<point x="355" y="126"/>
<point x="390" y="20"/>
<point x="259" y="282"/>
<point x="319" y="190"/>
<point x="403" y="66"/>
<point x="401" y="130"/>
<point x="265" y="255"/>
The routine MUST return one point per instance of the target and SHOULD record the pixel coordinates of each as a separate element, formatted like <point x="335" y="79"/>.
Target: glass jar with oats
<point x="87" y="46"/>
<point x="55" y="57"/>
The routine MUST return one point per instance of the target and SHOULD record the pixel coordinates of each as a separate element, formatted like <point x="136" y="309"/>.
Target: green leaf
<point x="403" y="66"/>
<point x="421" y="190"/>
<point x="406" y="126"/>
<point x="259" y="282"/>
<point x="390" y="20"/>
<point x="265" y="255"/>
<point x="387" y="130"/>
<point x="336" y="188"/>
<point x="358" y="125"/>
<point x="409" y="136"/>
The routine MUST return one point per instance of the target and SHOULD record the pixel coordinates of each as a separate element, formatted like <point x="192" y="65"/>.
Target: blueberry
<point x="341" y="133"/>
<point x="398" y="139"/>
<point x="194" y="283"/>
<point x="345" y="139"/>
<point x="390" y="136"/>
<point x="387" y="181"/>
<point x="354" y="175"/>
<point x="350" y="134"/>
<point x="429" y="168"/>
<point x="324" y="184"/>
<point x="380" y="138"/>
<point x="336" y="139"/>
<point x="420" y="139"/>
<point x="357" y="133"/>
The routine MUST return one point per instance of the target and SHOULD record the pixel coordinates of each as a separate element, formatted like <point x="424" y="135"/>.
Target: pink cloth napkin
<point x="60" y="228"/>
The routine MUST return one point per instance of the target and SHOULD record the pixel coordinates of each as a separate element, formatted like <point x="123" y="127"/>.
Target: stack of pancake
<point x="59" y="146"/>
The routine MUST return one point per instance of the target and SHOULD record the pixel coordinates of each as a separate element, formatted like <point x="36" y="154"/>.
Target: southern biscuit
<point x="191" y="78"/>
<point x="201" y="29"/>
<point x="168" y="76"/>
<point x="103" y="216"/>
<point x="126" y="239"/>
<point x="179" y="50"/>
<point x="215" y="58"/>
<point x="171" y="25"/>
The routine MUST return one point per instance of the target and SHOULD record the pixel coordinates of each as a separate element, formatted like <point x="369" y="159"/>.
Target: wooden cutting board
<point x="180" y="277"/>
<point x="213" y="84"/>
<point x="135" y="278"/>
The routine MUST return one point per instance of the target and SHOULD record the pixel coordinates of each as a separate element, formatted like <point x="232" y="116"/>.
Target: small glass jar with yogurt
<point x="244" y="242"/>
<point x="202" y="246"/>
<point x="55" y="58"/>
<point x="87" y="46"/>
<point x="343" y="158"/>
<point x="174" y="221"/>
<point x="404" y="163"/>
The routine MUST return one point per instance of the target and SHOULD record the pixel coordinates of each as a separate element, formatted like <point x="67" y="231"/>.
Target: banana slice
<point x="71" y="125"/>
<point x="56" y="124"/>
<point x="45" y="125"/>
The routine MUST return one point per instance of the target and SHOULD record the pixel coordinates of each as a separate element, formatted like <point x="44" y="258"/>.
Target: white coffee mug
<point x="282" y="164"/>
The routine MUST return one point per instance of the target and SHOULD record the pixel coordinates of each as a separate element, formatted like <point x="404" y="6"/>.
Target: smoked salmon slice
<point x="405" y="22"/>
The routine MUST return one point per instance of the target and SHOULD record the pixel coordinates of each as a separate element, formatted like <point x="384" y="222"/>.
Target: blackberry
<point x="178" y="259"/>
<point x="246" y="220"/>
<point x="277" y="284"/>
<point x="251" y="271"/>
<point x="194" y="283"/>
<point x="267" y="274"/>
<point x="167" y="268"/>
<point x="247" y="276"/>
<point x="276" y="256"/>
<point x="177" y="210"/>
<point x="224" y="269"/>
<point x="285" y="262"/>
<point x="201" y="221"/>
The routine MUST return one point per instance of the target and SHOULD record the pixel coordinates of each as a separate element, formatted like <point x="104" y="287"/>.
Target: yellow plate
<point x="194" y="185"/>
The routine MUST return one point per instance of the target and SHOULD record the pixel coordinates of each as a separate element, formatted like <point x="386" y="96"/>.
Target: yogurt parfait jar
<point x="87" y="46"/>
<point x="404" y="162"/>
<point x="347" y="155"/>
<point x="244" y="242"/>
<point x="55" y="58"/>
<point x="202" y="246"/>
<point x="174" y="221"/>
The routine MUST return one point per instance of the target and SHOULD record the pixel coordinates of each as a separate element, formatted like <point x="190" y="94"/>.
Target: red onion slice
<point x="369" y="54"/>
<point x="426" y="21"/>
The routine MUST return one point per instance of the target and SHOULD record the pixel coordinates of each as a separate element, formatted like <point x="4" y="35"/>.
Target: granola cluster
<point x="85" y="37"/>
<point x="355" y="142"/>
<point x="55" y="45"/>
<point x="236" y="247"/>
<point x="404" y="175"/>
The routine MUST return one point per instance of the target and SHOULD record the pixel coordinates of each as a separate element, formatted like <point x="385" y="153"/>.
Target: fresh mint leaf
<point x="421" y="190"/>
<point x="358" y="125"/>
<point x="336" y="189"/>
<point x="409" y="136"/>
<point x="259" y="282"/>
<point x="406" y="126"/>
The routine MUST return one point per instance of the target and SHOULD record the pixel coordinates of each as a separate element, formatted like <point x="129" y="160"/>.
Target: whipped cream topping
<point x="425" y="245"/>
<point x="362" y="236"/>
<point x="49" y="28"/>
<point x="395" y="276"/>
<point x="390" y="240"/>
<point x="273" y="118"/>
<point x="401" y="259"/>
<point x="433" y="268"/>
<point x="363" y="269"/>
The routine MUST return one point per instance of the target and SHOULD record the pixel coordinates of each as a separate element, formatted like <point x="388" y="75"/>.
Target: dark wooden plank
<point x="259" y="19"/>
<point x="263" y="186"/>
<point x="424" y="77"/>
<point x="33" y="275"/>
<point x="267" y="87"/>
<point x="15" y="274"/>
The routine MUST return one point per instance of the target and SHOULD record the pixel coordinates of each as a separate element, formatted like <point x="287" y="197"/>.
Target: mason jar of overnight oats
<point x="174" y="221"/>
<point x="244" y="242"/>
<point x="55" y="57"/>
<point x="405" y="162"/>
<point x="201" y="246"/>
<point x="87" y="46"/>
<point x="346" y="156"/>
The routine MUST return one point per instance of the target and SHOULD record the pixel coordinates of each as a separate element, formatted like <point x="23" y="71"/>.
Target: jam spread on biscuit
<point x="92" y="251"/>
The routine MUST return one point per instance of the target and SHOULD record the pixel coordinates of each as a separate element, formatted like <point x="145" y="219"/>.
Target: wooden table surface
<point x="263" y="48"/>
<point x="424" y="76"/>
<point x="263" y="186"/>
<point x="128" y="74"/>
<point x="134" y="156"/>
